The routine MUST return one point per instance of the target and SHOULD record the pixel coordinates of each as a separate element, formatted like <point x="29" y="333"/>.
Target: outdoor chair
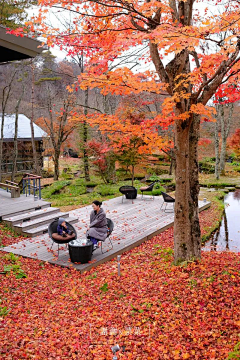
<point x="52" y="231"/>
<point x="148" y="188"/>
<point x="110" y="226"/>
<point x="167" y="199"/>
<point x="129" y="191"/>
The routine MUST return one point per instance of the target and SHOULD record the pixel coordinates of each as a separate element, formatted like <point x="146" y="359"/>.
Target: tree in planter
<point x="178" y="33"/>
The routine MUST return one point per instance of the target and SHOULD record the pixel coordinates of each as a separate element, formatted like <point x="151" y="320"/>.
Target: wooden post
<point x="34" y="187"/>
<point x="15" y="193"/>
<point x="39" y="194"/>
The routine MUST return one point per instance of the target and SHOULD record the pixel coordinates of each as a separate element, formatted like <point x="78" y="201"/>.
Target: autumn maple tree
<point x="190" y="49"/>
<point x="234" y="142"/>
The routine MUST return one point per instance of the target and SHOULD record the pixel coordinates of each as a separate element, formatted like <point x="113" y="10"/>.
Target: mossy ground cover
<point x="72" y="194"/>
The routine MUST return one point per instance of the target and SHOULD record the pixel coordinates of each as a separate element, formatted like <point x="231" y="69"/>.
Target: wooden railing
<point x="14" y="189"/>
<point x="31" y="183"/>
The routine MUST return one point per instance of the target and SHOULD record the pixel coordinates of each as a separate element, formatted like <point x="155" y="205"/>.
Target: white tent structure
<point x="24" y="128"/>
<point x="25" y="161"/>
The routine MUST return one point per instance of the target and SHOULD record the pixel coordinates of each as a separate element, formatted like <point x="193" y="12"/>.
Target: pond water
<point x="227" y="237"/>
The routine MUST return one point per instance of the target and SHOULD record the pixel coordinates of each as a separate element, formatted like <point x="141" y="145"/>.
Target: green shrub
<point x="154" y="177"/>
<point x="237" y="169"/>
<point x="73" y="190"/>
<point x="4" y="311"/>
<point x="206" y="167"/>
<point x="47" y="174"/>
<point x="14" y="266"/>
<point x="166" y="180"/>
<point x="139" y="176"/>
<point x="209" y="159"/>
<point x="235" y="354"/>
<point x="55" y="188"/>
<point x="157" y="170"/>
<point x="80" y="181"/>
<point x="66" y="176"/>
<point x="158" y="192"/>
<point x="105" y="190"/>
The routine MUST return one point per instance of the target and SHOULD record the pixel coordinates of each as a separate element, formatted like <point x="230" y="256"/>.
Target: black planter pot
<point x="82" y="254"/>
<point x="132" y="194"/>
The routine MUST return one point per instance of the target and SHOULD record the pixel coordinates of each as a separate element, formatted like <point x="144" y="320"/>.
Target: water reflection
<point x="236" y="195"/>
<point x="227" y="237"/>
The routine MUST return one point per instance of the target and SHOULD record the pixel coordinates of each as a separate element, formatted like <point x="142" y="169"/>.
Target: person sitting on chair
<point x="63" y="230"/>
<point x="97" y="230"/>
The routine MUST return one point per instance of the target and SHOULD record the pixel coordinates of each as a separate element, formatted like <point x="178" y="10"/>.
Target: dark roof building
<point x="16" y="47"/>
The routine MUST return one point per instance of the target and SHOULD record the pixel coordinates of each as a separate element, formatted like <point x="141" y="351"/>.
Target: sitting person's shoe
<point x="95" y="246"/>
<point x="64" y="235"/>
<point x="70" y="232"/>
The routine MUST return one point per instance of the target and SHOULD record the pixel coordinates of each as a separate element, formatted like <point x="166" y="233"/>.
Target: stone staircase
<point x="34" y="220"/>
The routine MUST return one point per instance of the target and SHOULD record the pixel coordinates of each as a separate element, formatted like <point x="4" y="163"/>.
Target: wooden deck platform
<point x="19" y="205"/>
<point x="134" y="223"/>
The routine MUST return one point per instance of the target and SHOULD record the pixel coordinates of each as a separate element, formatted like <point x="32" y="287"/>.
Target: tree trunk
<point x="5" y="97"/>
<point x="216" y="141"/>
<point x="132" y="175"/>
<point x="85" y="138"/>
<point x="187" y="236"/>
<point x="226" y="229"/>
<point x="35" y="157"/>
<point x="56" y="165"/>
<point x="172" y="162"/>
<point x="15" y="151"/>
<point x="171" y="167"/>
<point x="1" y="144"/>
<point x="225" y="127"/>
<point x="194" y="186"/>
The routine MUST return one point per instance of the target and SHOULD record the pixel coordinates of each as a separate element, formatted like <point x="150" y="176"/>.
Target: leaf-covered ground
<point x="155" y="310"/>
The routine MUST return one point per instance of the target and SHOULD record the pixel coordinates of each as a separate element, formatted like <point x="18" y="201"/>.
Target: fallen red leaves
<point x="156" y="310"/>
<point x="8" y="237"/>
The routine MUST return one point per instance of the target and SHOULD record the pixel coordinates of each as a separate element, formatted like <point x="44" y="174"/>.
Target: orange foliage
<point x="234" y="142"/>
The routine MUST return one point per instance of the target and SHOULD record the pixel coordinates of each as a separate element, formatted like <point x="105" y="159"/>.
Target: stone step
<point x="25" y="207"/>
<point x="16" y="219"/>
<point x="22" y="227"/>
<point x="43" y="229"/>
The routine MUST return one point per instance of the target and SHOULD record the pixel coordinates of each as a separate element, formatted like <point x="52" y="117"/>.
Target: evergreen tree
<point x="13" y="12"/>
